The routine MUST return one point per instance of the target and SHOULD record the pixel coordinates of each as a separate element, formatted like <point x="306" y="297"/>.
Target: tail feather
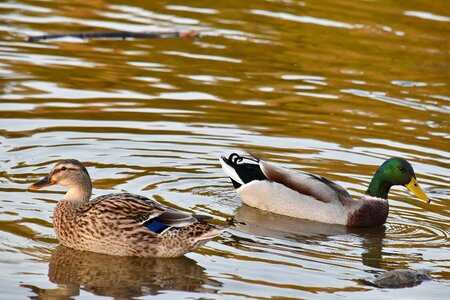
<point x="214" y="231"/>
<point x="240" y="172"/>
<point x="228" y="168"/>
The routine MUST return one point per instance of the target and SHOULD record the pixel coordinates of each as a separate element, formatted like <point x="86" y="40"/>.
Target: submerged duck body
<point x="307" y="196"/>
<point x="400" y="278"/>
<point x="120" y="224"/>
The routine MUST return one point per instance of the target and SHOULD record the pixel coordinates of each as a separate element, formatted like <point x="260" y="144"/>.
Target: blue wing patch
<point x="156" y="226"/>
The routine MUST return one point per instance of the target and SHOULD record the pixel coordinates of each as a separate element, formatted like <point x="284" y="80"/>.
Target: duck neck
<point x="379" y="187"/>
<point x="79" y="191"/>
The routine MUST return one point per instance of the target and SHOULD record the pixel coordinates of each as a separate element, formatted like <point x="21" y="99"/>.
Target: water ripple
<point x="203" y="56"/>
<point x="418" y="234"/>
<point x="303" y="19"/>
<point x="427" y="16"/>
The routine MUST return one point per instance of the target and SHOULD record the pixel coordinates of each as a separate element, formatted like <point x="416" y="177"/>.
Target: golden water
<point x="330" y="87"/>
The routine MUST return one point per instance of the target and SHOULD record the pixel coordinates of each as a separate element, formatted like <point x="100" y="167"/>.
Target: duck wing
<point x="135" y="210"/>
<point x="127" y="207"/>
<point x="308" y="184"/>
<point x="176" y="218"/>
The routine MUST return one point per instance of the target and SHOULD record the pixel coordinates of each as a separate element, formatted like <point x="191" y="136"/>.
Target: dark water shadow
<point x="265" y="224"/>
<point x="120" y="277"/>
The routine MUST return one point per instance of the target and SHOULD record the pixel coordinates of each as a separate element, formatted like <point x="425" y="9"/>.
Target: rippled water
<point x="330" y="88"/>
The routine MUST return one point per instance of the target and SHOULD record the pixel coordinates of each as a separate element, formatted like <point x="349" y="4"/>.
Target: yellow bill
<point x="414" y="187"/>
<point x="46" y="181"/>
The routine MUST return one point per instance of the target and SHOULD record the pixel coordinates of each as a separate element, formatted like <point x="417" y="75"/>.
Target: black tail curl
<point x="235" y="158"/>
<point x="247" y="171"/>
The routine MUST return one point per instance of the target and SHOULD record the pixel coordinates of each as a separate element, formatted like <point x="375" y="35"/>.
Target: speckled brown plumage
<point x="115" y="224"/>
<point x="112" y="224"/>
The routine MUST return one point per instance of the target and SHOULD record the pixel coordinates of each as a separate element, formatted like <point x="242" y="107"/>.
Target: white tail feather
<point x="263" y="165"/>
<point x="210" y="234"/>
<point x="230" y="171"/>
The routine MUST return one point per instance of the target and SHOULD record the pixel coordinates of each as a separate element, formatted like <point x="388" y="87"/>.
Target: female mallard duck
<point x="120" y="224"/>
<point x="307" y="196"/>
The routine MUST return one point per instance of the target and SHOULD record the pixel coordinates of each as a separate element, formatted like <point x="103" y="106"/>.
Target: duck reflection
<point x="121" y="277"/>
<point x="265" y="224"/>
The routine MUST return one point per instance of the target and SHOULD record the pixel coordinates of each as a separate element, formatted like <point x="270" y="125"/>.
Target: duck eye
<point x="402" y="169"/>
<point x="63" y="168"/>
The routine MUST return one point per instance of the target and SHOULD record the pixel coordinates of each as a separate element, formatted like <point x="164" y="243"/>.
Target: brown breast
<point x="371" y="213"/>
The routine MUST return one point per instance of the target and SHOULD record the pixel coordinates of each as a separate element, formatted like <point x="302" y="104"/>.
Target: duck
<point x="121" y="224"/>
<point x="302" y="195"/>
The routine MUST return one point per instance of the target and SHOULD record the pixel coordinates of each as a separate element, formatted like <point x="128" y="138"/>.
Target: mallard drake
<point x="307" y="196"/>
<point x="120" y="224"/>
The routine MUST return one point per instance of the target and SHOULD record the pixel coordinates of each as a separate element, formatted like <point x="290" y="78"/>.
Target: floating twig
<point x="117" y="34"/>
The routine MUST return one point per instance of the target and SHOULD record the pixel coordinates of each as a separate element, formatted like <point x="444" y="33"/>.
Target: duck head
<point x="395" y="171"/>
<point x="71" y="174"/>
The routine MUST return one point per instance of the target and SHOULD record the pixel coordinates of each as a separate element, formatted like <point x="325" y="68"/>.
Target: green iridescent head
<point x="395" y="171"/>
